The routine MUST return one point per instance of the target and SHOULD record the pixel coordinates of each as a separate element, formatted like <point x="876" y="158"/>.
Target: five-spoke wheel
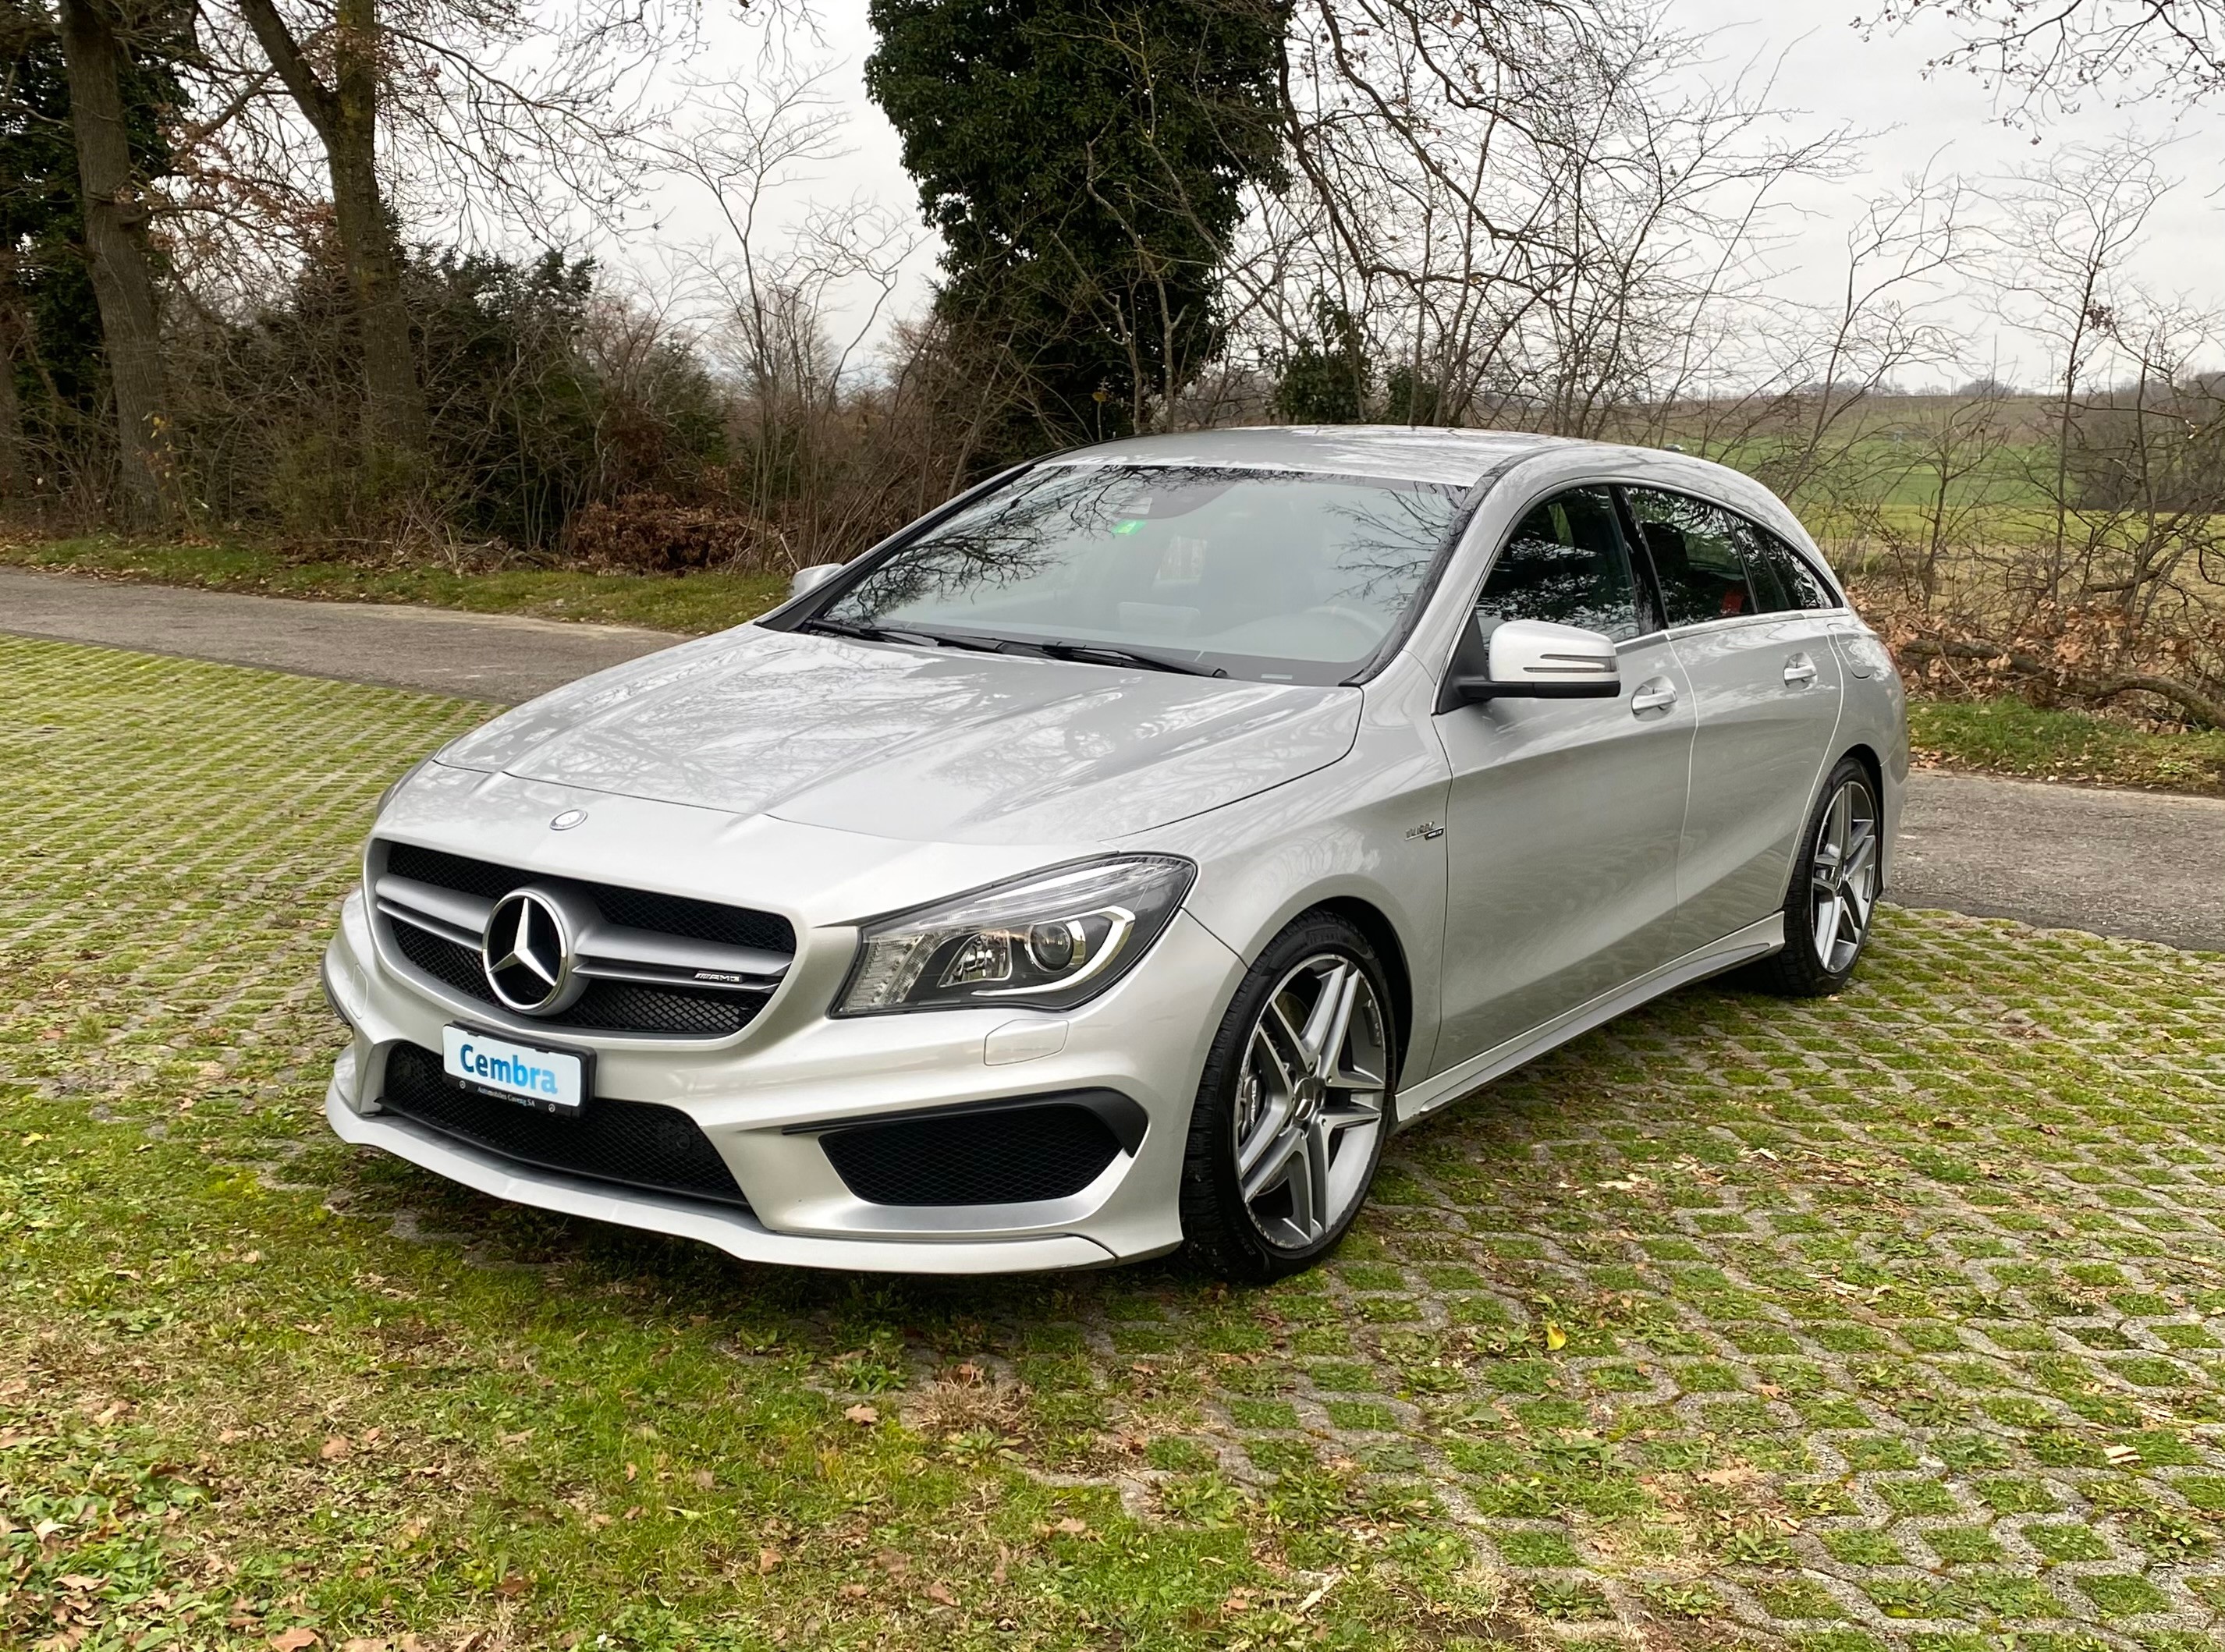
<point x="1842" y="876"/>
<point x="1310" y="1101"/>
<point x="1295" y="1104"/>
<point x="1835" y="884"/>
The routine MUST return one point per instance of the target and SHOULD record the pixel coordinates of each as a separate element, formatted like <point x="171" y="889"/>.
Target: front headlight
<point x="1046" y="942"/>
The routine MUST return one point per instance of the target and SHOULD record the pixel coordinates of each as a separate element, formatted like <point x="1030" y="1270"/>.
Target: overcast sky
<point x="1948" y="122"/>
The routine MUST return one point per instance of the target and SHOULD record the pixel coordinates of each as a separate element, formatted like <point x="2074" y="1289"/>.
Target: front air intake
<point x="1008" y="1154"/>
<point x="638" y="1143"/>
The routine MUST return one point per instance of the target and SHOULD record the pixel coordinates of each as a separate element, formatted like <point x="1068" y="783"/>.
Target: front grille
<point x="635" y="1143"/>
<point x="671" y="914"/>
<point x="1006" y="1155"/>
<point x="674" y="1009"/>
<point x="605" y="1006"/>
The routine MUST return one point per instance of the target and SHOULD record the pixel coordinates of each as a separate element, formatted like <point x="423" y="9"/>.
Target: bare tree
<point x="1529" y="207"/>
<point x="518" y="111"/>
<point x="2071" y="226"/>
<point x="2050" y="56"/>
<point x="343" y="106"/>
<point x="772" y="289"/>
<point x="115" y="233"/>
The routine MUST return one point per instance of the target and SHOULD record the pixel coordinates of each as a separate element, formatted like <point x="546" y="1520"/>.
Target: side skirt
<point x="1741" y="946"/>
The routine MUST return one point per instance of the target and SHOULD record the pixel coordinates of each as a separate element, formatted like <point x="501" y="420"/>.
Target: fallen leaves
<point x="864" y="1415"/>
<point x="335" y="1448"/>
<point x="295" y="1639"/>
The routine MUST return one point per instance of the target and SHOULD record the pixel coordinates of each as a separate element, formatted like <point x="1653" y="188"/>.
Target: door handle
<point x="1658" y="695"/>
<point x="1799" y="671"/>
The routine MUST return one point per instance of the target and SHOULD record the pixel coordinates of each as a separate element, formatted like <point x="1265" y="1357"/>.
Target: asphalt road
<point x="477" y="657"/>
<point x="2116" y="863"/>
<point x="2133" y="863"/>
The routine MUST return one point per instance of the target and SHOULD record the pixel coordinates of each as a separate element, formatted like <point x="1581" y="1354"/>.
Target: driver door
<point x="1565" y="815"/>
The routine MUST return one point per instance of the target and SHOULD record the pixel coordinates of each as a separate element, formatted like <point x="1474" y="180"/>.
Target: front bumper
<point x="759" y="1099"/>
<point x="733" y="1231"/>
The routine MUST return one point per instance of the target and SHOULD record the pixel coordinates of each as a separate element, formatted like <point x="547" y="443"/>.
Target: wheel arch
<point x="1862" y="753"/>
<point x="1382" y="935"/>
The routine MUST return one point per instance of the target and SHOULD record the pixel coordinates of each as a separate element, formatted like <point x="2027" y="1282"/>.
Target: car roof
<point x="1459" y="457"/>
<point x="1453" y="458"/>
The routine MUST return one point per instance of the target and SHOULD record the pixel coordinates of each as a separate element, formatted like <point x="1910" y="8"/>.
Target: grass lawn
<point x="2007" y="736"/>
<point x="1883" y="1321"/>
<point x="695" y="603"/>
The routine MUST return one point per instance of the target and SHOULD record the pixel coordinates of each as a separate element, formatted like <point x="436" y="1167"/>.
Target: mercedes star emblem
<point x="567" y="820"/>
<point x="527" y="952"/>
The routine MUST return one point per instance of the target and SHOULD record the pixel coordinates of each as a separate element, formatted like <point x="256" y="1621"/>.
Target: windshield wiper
<point x="1089" y="653"/>
<point x="899" y="634"/>
<point x="1112" y="654"/>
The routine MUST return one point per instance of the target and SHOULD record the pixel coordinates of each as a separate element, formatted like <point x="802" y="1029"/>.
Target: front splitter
<point x="733" y="1231"/>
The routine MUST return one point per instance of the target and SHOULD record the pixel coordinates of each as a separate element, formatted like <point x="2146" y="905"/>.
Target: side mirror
<point x="1535" y="659"/>
<point x="812" y="578"/>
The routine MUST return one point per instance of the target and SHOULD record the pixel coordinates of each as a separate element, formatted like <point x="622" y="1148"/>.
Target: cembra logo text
<point x="502" y="1069"/>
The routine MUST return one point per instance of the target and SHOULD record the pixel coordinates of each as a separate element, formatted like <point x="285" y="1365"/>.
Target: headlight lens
<point x="1046" y="942"/>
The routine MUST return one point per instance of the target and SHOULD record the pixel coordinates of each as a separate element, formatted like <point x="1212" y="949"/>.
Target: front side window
<point x="1274" y="576"/>
<point x="1564" y="562"/>
<point x="1697" y="555"/>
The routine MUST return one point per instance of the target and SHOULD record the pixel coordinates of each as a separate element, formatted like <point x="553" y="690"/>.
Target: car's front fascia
<point x="763" y="1095"/>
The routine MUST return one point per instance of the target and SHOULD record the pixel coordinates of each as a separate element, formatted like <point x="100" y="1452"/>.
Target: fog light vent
<point x="1005" y="1154"/>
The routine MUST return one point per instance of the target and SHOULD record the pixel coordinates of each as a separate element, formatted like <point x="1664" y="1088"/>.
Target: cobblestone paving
<point x="1894" y="1319"/>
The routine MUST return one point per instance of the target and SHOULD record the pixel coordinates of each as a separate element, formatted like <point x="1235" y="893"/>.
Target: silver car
<point x="1112" y="859"/>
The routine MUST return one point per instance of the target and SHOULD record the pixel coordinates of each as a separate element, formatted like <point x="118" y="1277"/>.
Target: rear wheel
<point x="1835" y="883"/>
<point x="1293" y="1106"/>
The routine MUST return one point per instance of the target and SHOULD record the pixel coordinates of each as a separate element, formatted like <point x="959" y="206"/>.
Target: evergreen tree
<point x="1085" y="162"/>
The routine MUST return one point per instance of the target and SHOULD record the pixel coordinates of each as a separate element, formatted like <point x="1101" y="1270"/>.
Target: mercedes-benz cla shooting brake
<point x="1114" y="858"/>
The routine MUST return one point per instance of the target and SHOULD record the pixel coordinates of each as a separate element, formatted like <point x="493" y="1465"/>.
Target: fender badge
<point x="1426" y="831"/>
<point x="567" y="820"/>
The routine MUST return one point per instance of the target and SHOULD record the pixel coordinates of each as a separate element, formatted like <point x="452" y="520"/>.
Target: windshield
<point x="1276" y="576"/>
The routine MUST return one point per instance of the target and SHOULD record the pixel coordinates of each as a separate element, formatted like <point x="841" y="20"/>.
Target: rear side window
<point x="1783" y="579"/>
<point x="1565" y="562"/>
<point x="1698" y="555"/>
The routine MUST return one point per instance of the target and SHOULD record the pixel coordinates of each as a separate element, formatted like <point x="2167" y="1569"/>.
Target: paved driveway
<point x="2115" y="862"/>
<point x="477" y="657"/>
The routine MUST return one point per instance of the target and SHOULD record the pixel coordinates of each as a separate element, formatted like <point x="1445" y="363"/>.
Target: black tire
<point x="1245" y="1240"/>
<point x="1802" y="969"/>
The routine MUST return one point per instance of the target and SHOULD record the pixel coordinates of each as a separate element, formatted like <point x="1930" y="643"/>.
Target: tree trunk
<point x="14" y="457"/>
<point x="115" y="219"/>
<point x="346" y="117"/>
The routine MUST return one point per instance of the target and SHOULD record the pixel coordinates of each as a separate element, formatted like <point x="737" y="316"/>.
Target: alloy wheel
<point x="1843" y="886"/>
<point x="1309" y="1102"/>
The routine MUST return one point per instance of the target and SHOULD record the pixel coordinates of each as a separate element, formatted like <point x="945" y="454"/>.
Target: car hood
<point x="916" y="744"/>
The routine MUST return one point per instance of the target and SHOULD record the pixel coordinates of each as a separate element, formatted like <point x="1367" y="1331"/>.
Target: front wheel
<point x="1835" y="882"/>
<point x="1293" y="1106"/>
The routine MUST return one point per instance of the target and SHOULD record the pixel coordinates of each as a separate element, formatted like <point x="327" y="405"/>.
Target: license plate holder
<point x="548" y="1079"/>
